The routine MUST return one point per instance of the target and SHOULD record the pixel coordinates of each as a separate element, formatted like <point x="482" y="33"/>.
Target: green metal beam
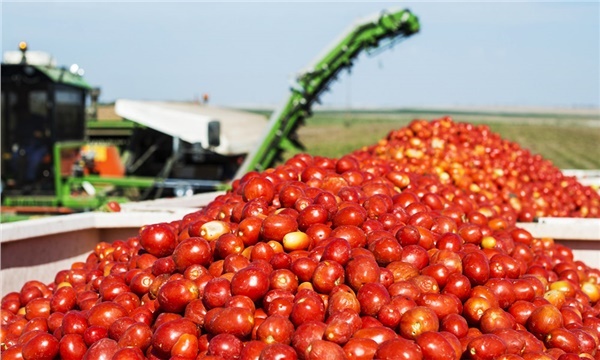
<point x="111" y="124"/>
<point x="310" y="84"/>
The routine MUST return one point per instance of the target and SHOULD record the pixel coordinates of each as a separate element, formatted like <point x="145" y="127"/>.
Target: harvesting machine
<point x="51" y="161"/>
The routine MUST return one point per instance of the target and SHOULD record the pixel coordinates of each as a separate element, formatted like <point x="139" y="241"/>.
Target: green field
<point x="569" y="140"/>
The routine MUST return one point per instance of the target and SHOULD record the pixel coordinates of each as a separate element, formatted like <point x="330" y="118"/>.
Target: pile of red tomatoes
<point x="493" y="169"/>
<point x="406" y="250"/>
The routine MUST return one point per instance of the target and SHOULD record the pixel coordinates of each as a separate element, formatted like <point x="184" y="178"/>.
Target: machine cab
<point x="41" y="105"/>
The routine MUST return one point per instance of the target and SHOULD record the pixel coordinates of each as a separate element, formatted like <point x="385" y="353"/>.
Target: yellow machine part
<point x="107" y="160"/>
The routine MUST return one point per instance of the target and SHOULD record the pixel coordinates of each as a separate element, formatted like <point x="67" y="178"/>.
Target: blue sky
<point x="467" y="54"/>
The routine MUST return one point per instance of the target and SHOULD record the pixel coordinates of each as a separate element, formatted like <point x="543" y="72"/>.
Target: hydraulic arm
<point x="369" y="34"/>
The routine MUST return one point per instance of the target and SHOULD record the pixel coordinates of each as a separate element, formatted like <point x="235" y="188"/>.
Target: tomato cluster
<point x="370" y="256"/>
<point x="496" y="170"/>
